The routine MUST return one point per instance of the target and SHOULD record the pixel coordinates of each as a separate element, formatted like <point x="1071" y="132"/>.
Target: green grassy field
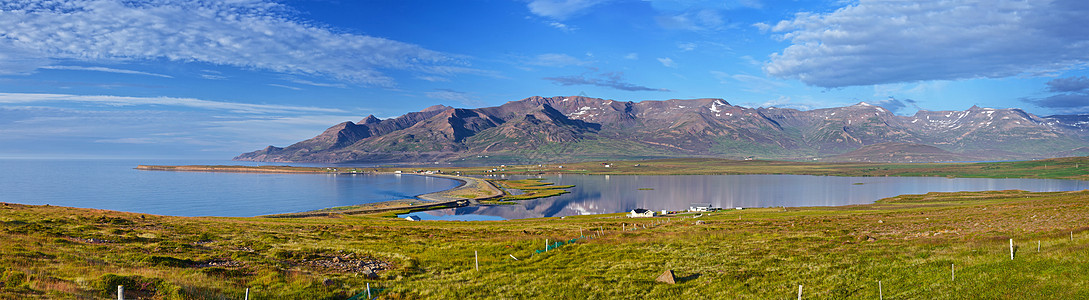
<point x="532" y="188"/>
<point x="908" y="243"/>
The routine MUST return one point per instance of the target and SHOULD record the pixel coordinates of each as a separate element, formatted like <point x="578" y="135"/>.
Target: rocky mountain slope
<point x="540" y="129"/>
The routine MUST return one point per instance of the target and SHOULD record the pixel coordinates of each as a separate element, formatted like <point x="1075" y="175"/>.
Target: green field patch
<point x="532" y="188"/>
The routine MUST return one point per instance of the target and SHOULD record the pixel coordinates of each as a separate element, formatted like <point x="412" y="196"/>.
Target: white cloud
<point x="561" y="26"/>
<point x="561" y="9"/>
<point x="18" y="61"/>
<point x="26" y="98"/>
<point x="556" y="60"/>
<point x="875" y="42"/>
<point x="687" y="46"/>
<point x="42" y="130"/>
<point x="909" y="89"/>
<point x="757" y="4"/>
<point x="253" y="34"/>
<point x="700" y="20"/>
<point x="104" y="69"/>
<point x="294" y="88"/>
<point x="157" y="140"/>
<point x="668" y="62"/>
<point x="452" y="95"/>
<point x="749" y="60"/>
<point x="319" y="84"/>
<point x="749" y="83"/>
<point x="433" y="78"/>
<point x="788" y="102"/>
<point x="614" y="80"/>
<point x="213" y="76"/>
<point x="679" y="5"/>
<point x="632" y="56"/>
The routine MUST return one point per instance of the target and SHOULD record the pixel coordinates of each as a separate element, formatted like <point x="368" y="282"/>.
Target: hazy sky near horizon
<point x="212" y="79"/>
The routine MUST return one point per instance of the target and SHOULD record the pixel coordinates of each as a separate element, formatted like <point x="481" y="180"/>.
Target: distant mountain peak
<point x="572" y="128"/>
<point x="439" y="107"/>
<point x="370" y="119"/>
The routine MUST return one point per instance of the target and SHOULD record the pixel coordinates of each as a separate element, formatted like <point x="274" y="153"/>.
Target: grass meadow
<point x="913" y="245"/>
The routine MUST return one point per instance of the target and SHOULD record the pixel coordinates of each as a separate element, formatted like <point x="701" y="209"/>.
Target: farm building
<point x="641" y="213"/>
<point x="702" y="207"/>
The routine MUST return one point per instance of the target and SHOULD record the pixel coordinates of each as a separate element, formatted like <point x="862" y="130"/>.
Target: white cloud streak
<point x="40" y="130"/>
<point x="464" y="98"/>
<point x="104" y="69"/>
<point x="701" y="20"/>
<point x="561" y="9"/>
<point x="27" y="98"/>
<point x="556" y="60"/>
<point x="285" y="86"/>
<point x="875" y="42"/>
<point x="250" y="34"/>
<point x="749" y="83"/>
<point x="320" y="84"/>
<point x="668" y="62"/>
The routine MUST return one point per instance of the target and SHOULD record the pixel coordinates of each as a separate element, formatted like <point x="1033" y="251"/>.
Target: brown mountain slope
<point x="580" y="128"/>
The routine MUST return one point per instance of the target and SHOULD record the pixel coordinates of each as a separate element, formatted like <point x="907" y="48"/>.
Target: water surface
<point x="115" y="185"/>
<point x="596" y="194"/>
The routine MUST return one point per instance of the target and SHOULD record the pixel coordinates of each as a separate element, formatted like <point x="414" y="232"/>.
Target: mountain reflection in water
<point x="597" y="194"/>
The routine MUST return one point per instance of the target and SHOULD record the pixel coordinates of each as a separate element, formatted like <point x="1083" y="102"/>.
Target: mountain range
<point x="540" y="129"/>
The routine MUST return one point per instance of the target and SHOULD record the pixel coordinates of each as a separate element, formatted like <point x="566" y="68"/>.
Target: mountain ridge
<point x="573" y="128"/>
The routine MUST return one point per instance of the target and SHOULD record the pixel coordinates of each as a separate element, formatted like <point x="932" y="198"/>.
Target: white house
<point x="412" y="218"/>
<point x="641" y="213"/>
<point x="702" y="207"/>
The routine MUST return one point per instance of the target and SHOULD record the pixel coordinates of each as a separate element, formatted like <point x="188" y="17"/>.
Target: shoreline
<point x="470" y="190"/>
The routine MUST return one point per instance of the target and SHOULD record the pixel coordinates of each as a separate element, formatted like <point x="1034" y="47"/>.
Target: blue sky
<point x="211" y="79"/>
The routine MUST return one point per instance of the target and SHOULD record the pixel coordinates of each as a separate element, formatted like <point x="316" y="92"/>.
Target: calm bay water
<point x="610" y="194"/>
<point x="115" y="185"/>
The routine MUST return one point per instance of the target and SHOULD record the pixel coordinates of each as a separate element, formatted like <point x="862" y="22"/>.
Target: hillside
<point x="539" y="129"/>
<point x="900" y="152"/>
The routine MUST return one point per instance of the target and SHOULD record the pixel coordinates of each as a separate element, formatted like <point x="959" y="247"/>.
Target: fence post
<point x="120" y="292"/>
<point x="368" y="290"/>
<point x="476" y="257"/>
<point x="247" y="294"/>
<point x="799" y="292"/>
<point x="1011" y="249"/>
<point x="953" y="272"/>
<point x="880" y="291"/>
